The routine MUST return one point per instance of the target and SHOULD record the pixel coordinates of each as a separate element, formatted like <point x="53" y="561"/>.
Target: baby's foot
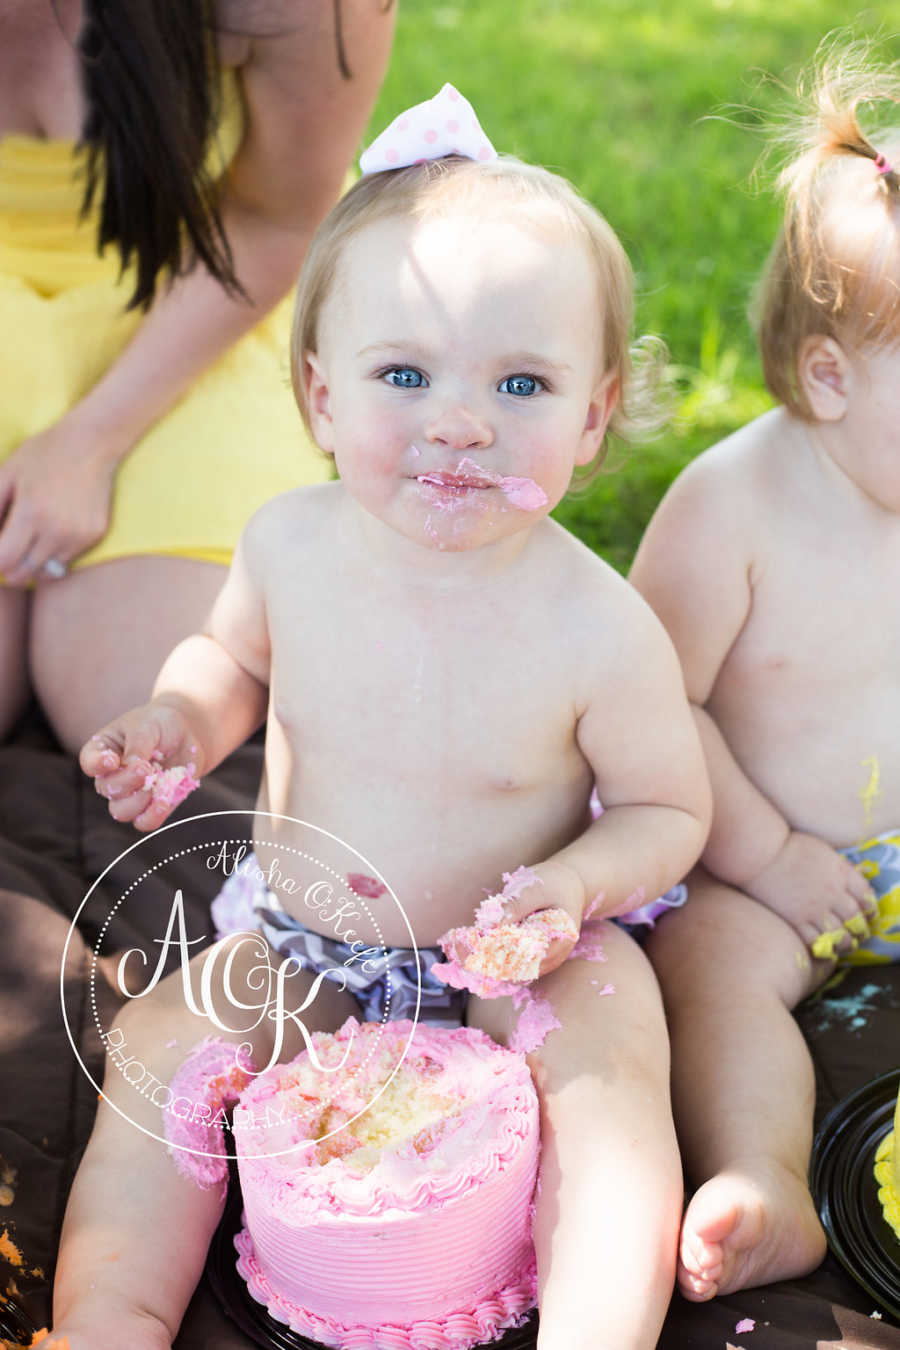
<point x="745" y="1227"/>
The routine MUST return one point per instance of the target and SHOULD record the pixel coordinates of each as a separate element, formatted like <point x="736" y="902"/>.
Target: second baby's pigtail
<point x="835" y="267"/>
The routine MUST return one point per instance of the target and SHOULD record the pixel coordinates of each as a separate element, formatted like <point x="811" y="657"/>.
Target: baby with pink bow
<point x="446" y="673"/>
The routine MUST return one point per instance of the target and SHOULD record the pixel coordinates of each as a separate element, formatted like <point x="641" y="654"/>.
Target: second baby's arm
<point x="698" y="566"/>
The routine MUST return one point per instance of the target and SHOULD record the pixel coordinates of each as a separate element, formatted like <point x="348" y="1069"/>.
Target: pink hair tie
<point x="444" y="125"/>
<point x="882" y="165"/>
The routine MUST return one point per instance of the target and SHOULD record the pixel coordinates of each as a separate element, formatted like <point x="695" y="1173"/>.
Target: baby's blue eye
<point x="520" y="385"/>
<point x="404" y="377"/>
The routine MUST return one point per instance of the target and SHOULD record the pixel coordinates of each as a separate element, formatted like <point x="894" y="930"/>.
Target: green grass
<point x="621" y="96"/>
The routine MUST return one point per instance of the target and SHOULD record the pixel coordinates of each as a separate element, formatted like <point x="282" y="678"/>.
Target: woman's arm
<point x="303" y="123"/>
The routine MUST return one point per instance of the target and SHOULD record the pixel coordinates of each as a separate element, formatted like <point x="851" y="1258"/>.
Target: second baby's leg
<point x="609" y="1194"/>
<point x="742" y="1087"/>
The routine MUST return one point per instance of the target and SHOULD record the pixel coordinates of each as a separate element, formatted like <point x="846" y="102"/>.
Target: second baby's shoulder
<point x="740" y="499"/>
<point x="752" y="475"/>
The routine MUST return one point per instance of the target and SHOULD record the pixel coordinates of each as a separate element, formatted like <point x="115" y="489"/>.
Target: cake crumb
<point x="536" y="1020"/>
<point x="876" y="1315"/>
<point x="7" y="1183"/>
<point x="745" y="1324"/>
<point x="169" y="787"/>
<point x="9" y="1251"/>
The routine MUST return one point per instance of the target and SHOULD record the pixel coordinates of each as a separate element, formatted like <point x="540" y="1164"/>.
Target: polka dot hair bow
<point x="444" y="125"/>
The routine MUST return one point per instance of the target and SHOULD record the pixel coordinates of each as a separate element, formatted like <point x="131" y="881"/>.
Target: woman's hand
<point x="55" y="492"/>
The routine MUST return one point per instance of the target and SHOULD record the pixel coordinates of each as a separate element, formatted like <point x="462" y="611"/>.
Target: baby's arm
<point x="696" y="566"/>
<point x="210" y="695"/>
<point x="636" y="731"/>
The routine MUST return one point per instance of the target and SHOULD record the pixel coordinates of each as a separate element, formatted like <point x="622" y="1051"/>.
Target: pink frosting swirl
<point x="210" y="1078"/>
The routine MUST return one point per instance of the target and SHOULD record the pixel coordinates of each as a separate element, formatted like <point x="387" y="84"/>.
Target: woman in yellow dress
<point x="145" y="409"/>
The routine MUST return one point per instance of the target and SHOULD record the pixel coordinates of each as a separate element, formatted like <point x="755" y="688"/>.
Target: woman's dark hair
<point x="151" y="72"/>
<point x="151" y="80"/>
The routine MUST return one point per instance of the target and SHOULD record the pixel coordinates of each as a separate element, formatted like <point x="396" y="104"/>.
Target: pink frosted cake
<point x="411" y="1225"/>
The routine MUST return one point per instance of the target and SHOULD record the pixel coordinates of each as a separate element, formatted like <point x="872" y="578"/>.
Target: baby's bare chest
<point x="825" y="618"/>
<point x="428" y="699"/>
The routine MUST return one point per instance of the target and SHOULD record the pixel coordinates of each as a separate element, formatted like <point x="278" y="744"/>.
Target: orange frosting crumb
<point x="9" y="1251"/>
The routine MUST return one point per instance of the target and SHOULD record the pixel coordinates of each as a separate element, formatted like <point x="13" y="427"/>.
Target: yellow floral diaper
<point x="879" y="862"/>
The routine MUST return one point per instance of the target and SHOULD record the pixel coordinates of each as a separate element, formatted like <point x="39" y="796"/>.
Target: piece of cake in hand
<point x="402" y="1219"/>
<point x="169" y="787"/>
<point x="493" y="956"/>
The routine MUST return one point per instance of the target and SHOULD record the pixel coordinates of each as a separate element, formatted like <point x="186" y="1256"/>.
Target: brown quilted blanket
<point x="56" y="838"/>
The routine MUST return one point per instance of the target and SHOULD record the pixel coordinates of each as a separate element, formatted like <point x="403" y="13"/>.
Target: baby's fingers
<point x="833" y="939"/>
<point x="154" y="814"/>
<point x="102" y="754"/>
<point x="131" y="806"/>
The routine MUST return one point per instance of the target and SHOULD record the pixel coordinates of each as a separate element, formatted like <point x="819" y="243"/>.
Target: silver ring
<point x="54" y="569"/>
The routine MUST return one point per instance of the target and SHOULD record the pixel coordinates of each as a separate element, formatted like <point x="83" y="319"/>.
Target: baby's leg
<point x="743" y="1090"/>
<point x="136" y="1231"/>
<point x="609" y="1196"/>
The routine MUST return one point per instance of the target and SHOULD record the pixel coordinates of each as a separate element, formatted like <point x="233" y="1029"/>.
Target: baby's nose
<point x="460" y="427"/>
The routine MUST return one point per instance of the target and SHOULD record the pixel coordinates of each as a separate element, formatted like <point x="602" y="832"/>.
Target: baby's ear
<point x="600" y="410"/>
<point x="318" y="401"/>
<point x="824" y="374"/>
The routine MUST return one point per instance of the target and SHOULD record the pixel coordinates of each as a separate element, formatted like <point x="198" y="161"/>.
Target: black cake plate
<point x="254" y="1319"/>
<point x="15" y="1324"/>
<point x="846" y="1193"/>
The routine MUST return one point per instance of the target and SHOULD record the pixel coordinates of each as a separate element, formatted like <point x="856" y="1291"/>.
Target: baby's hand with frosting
<point x="519" y="934"/>
<point x="145" y="763"/>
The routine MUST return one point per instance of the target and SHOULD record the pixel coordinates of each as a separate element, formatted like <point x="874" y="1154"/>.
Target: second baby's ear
<point x="824" y="375"/>
<point x="318" y="402"/>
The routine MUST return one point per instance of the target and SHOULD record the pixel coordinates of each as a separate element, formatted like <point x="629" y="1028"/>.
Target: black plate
<point x="254" y="1319"/>
<point x="15" y="1324"/>
<point x="846" y="1193"/>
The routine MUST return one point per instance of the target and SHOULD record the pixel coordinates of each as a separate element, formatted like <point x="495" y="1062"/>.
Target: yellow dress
<point x="231" y="442"/>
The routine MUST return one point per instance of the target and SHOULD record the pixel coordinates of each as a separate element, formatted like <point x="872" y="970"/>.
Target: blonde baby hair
<point x="423" y="191"/>
<point x="835" y="266"/>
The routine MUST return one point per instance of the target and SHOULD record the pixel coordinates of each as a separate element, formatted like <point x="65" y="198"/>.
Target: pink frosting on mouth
<point x="523" y="493"/>
<point x="426" y="1245"/>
